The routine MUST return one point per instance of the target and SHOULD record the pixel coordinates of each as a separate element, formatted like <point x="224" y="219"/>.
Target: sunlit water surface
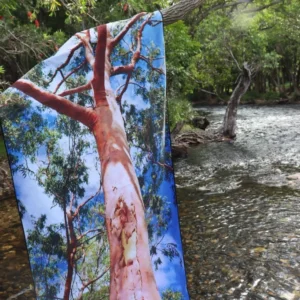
<point x="240" y="208"/>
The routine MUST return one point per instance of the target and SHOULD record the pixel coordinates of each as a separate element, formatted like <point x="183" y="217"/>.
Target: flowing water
<point x="240" y="208"/>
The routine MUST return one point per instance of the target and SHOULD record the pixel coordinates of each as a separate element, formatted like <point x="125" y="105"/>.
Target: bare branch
<point x="85" y="202"/>
<point x="133" y="83"/>
<point x="128" y="69"/>
<point x="121" y="70"/>
<point x="66" y="77"/>
<point x="66" y="62"/>
<point x="233" y="57"/>
<point x="87" y="232"/>
<point x="164" y="165"/>
<point x="206" y="13"/>
<point x="124" y="86"/>
<point x="58" y="103"/>
<point x="20" y="41"/>
<point x="88" y="239"/>
<point x="79" y="89"/>
<point x="119" y="97"/>
<point x="85" y="285"/>
<point x="85" y="36"/>
<point x="211" y="93"/>
<point x="118" y="38"/>
<point x="203" y="90"/>
<point x="158" y="70"/>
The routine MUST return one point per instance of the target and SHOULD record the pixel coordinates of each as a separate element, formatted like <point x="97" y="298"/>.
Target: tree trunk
<point x="71" y="252"/>
<point x="179" y="10"/>
<point x="229" y="123"/>
<point x="130" y="264"/>
<point x="295" y="82"/>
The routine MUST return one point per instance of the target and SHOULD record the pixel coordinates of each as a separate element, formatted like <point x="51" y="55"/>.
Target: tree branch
<point x="85" y="285"/>
<point x="158" y="70"/>
<point x="260" y="8"/>
<point x="233" y="57"/>
<point x="66" y="62"/>
<point x="85" y="36"/>
<point x="66" y="77"/>
<point x="87" y="232"/>
<point x="128" y="69"/>
<point x="179" y="10"/>
<point x="88" y="239"/>
<point x="79" y="89"/>
<point x="206" y="13"/>
<point x="119" y="97"/>
<point x="122" y="33"/>
<point x="58" y="103"/>
<point x="85" y="202"/>
<point x="121" y="70"/>
<point x="164" y="165"/>
<point x="134" y="83"/>
<point x="135" y="58"/>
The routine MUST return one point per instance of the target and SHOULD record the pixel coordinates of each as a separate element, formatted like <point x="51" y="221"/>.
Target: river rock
<point x="295" y="176"/>
<point x="200" y="122"/>
<point x="179" y="150"/>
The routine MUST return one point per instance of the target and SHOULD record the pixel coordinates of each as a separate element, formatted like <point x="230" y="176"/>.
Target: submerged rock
<point x="295" y="176"/>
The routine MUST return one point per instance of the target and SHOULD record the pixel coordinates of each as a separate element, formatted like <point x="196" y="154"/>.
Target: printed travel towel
<point x="90" y="152"/>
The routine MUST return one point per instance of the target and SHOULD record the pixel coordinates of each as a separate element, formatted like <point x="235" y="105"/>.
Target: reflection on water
<point x="240" y="208"/>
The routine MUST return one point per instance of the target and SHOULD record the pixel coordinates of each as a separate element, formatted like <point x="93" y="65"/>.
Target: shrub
<point x="271" y="95"/>
<point x="179" y="110"/>
<point x="251" y="96"/>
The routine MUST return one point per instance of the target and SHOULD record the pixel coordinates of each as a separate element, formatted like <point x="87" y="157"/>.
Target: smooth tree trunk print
<point x="131" y="274"/>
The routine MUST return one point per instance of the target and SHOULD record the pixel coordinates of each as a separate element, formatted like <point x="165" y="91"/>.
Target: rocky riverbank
<point x="185" y="136"/>
<point x="15" y="275"/>
<point x="258" y="102"/>
<point x="6" y="186"/>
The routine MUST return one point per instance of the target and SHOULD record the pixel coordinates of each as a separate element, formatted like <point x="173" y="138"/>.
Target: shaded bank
<point x="15" y="275"/>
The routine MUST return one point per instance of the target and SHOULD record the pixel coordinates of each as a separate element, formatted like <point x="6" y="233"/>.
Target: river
<point x="240" y="208"/>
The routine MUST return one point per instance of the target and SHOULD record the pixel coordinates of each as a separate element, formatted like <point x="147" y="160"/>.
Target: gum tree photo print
<point x="89" y="148"/>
